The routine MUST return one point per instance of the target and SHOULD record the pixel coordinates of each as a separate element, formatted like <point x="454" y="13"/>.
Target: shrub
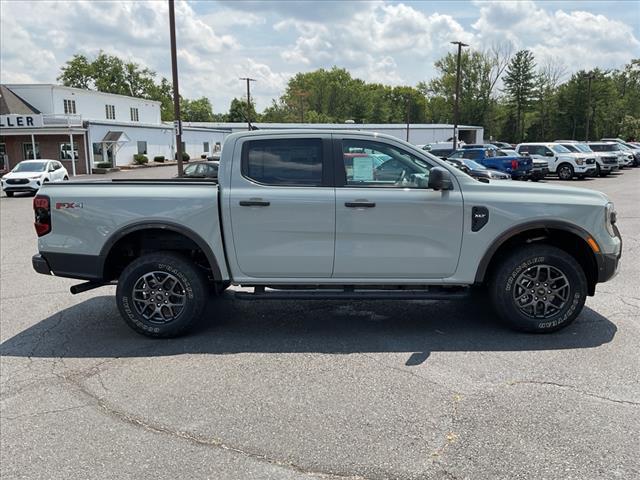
<point x="159" y="159"/>
<point x="185" y="156"/>
<point x="203" y="156"/>
<point x="103" y="165"/>
<point x="140" y="159"/>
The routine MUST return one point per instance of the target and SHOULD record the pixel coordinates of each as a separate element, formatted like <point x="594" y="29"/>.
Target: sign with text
<point x="177" y="127"/>
<point x="21" y="121"/>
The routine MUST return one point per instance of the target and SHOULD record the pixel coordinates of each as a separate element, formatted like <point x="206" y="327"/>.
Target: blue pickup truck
<point x="518" y="167"/>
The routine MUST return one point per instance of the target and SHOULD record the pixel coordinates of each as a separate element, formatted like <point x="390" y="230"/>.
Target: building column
<point x="33" y="146"/>
<point x="73" y="155"/>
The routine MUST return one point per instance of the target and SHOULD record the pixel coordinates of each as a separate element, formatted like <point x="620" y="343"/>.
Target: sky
<point x="388" y="42"/>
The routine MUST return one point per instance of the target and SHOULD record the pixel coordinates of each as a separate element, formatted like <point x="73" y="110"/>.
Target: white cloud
<point x="582" y="40"/>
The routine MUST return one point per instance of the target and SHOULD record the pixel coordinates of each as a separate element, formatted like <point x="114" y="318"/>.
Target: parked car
<point x="539" y="166"/>
<point x="612" y="148"/>
<point x="633" y="146"/>
<point x="561" y="161"/>
<point x="519" y="168"/>
<point x="605" y="163"/>
<point x="201" y="170"/>
<point x="502" y="145"/>
<point x="440" y="149"/>
<point x="632" y="150"/>
<point x="488" y="146"/>
<point x="478" y="171"/>
<point x="285" y="220"/>
<point x="30" y="175"/>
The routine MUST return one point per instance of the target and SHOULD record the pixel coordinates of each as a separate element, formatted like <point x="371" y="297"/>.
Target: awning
<point x="115" y="137"/>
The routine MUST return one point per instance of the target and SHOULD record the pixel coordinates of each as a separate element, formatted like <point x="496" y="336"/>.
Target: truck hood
<point x="557" y="193"/>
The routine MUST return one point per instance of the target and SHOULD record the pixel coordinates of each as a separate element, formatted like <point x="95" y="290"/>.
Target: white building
<point x="418" y="133"/>
<point x="64" y="123"/>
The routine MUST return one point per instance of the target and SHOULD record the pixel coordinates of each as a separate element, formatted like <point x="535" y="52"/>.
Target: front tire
<point x="9" y="194"/>
<point x="538" y="289"/>
<point x="161" y="294"/>
<point x="565" y="172"/>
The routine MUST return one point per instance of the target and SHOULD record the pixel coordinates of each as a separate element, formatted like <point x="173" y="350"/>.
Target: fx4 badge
<point x="61" y="205"/>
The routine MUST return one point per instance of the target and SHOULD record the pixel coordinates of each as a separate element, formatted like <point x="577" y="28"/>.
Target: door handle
<point x="254" y="203"/>
<point x="360" y="204"/>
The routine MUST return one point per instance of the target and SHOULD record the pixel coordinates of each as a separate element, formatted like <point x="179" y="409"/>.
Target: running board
<point x="434" y="293"/>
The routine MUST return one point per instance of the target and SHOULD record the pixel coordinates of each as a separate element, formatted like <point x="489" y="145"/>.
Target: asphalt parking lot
<point x="326" y="390"/>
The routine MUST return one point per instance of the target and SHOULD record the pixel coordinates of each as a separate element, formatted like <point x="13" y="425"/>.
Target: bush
<point x="203" y="156"/>
<point x="185" y="156"/>
<point x="103" y="165"/>
<point x="140" y="159"/>
<point x="159" y="159"/>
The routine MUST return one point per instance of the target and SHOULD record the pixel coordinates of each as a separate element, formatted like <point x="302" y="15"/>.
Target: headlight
<point x="579" y="161"/>
<point x="34" y="177"/>
<point x="610" y="218"/>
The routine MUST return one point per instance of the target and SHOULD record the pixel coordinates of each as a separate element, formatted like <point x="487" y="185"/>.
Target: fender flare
<point x="161" y="225"/>
<point x="523" y="227"/>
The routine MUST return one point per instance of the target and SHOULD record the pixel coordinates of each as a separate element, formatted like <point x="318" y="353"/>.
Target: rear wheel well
<point x="149" y="240"/>
<point x="570" y="242"/>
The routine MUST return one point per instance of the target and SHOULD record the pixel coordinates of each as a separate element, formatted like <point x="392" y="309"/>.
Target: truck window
<point x="382" y="165"/>
<point x="292" y="162"/>
<point x="472" y="154"/>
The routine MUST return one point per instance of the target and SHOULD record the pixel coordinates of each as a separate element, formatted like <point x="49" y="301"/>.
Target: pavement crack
<point x="574" y="389"/>
<point x="153" y="427"/>
<point x="45" y="412"/>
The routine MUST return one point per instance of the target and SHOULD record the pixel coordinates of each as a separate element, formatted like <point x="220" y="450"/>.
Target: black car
<point x="476" y="170"/>
<point x="201" y="170"/>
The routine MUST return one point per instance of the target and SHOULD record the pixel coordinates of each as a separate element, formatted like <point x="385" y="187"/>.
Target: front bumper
<point x="31" y="186"/>
<point x="586" y="172"/>
<point x="539" y="173"/>
<point x="608" y="262"/>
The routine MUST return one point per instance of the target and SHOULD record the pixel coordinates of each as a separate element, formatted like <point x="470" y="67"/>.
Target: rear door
<point x="388" y="224"/>
<point x="282" y="207"/>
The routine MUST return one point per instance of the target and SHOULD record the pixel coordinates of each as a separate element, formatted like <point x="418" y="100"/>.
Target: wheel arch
<point x="570" y="238"/>
<point x="133" y="232"/>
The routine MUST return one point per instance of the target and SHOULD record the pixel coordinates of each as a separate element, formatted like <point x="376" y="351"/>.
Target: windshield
<point x="560" y="149"/>
<point x="583" y="147"/>
<point x="473" y="165"/>
<point x="30" y="167"/>
<point x="571" y="148"/>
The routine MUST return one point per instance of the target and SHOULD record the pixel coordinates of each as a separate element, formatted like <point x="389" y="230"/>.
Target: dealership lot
<point x="283" y="389"/>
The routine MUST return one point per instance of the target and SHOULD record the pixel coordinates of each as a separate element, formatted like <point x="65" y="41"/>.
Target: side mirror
<point x="440" y="179"/>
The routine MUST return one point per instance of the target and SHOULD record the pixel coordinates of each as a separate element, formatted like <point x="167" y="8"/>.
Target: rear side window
<point x="472" y="155"/>
<point x="292" y="162"/>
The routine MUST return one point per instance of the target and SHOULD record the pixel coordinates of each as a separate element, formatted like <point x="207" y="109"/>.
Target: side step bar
<point x="435" y="293"/>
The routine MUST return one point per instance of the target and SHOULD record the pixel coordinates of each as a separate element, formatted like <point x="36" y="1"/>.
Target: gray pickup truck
<point x="328" y="215"/>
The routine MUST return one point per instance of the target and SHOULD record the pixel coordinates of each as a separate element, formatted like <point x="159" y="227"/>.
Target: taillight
<point x="514" y="164"/>
<point x="42" y="210"/>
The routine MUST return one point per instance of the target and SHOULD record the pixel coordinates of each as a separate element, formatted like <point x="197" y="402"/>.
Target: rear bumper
<point x="40" y="265"/>
<point x="83" y="267"/>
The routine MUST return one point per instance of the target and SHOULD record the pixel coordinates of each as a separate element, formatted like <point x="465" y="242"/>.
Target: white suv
<point x="606" y="162"/>
<point x="613" y="148"/>
<point x="30" y="175"/>
<point x="561" y="161"/>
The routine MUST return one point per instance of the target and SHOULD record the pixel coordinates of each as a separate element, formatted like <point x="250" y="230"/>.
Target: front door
<point x="388" y="223"/>
<point x="282" y="207"/>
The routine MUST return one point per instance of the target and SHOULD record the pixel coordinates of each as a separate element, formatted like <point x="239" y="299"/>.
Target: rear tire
<point x="565" y="172"/>
<point x="538" y="289"/>
<point x="162" y="294"/>
<point x="65" y="179"/>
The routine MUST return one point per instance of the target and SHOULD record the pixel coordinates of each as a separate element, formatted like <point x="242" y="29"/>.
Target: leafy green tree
<point x="519" y="85"/>
<point x="238" y="111"/>
<point x="196" y="110"/>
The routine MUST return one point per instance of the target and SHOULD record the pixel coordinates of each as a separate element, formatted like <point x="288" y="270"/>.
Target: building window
<point x="110" y="111"/>
<point x="3" y="156"/>
<point x="64" y="150"/>
<point x="134" y="114"/>
<point x="27" y="151"/>
<point x="205" y="146"/>
<point x="69" y="107"/>
<point x="142" y="148"/>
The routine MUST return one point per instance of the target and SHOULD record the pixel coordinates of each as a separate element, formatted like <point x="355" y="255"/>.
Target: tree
<point x="519" y="83"/>
<point x="238" y="111"/>
<point x="196" y="110"/>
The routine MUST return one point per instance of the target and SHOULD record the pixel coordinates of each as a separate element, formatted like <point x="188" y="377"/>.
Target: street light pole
<point x="590" y="77"/>
<point x="176" y="94"/>
<point x="248" y="80"/>
<point x="456" y="109"/>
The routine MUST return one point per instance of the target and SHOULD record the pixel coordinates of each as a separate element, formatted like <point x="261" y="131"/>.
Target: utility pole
<point x="301" y="96"/>
<point x="456" y="109"/>
<point x="408" y="104"/>
<point x="590" y="77"/>
<point x="176" y="94"/>
<point x="248" y="80"/>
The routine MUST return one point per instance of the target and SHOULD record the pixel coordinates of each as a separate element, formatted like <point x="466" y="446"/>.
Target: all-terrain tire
<point x="530" y="300"/>
<point x="565" y="171"/>
<point x="169" y="279"/>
